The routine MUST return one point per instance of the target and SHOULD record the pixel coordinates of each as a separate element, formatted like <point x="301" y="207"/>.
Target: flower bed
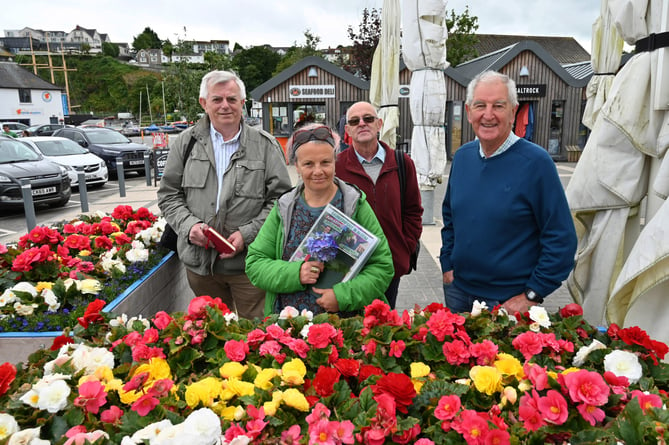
<point x="425" y="377"/>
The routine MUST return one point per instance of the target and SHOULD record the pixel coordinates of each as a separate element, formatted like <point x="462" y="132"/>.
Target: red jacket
<point x="402" y="230"/>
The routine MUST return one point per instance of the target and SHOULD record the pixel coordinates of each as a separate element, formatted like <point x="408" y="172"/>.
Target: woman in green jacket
<point x="312" y="150"/>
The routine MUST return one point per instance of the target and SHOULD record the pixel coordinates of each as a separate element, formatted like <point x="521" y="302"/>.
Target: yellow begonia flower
<point x="417" y="385"/>
<point x="240" y="388"/>
<point x="41" y="285"/>
<point x="507" y="364"/>
<point x="264" y="378"/>
<point x="419" y="369"/>
<point x="570" y="370"/>
<point x="293" y="372"/>
<point x="128" y="397"/>
<point x="271" y="408"/>
<point x="204" y="392"/>
<point x="232" y="369"/>
<point x="84" y="253"/>
<point x="295" y="399"/>
<point x="226" y="412"/>
<point x="487" y="379"/>
<point x="525" y="385"/>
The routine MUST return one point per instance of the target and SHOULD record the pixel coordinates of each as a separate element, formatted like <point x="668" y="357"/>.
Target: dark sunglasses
<point x="313" y="134"/>
<point x="354" y="121"/>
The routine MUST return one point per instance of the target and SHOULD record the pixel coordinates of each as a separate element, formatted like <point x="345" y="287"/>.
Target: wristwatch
<point x="533" y="296"/>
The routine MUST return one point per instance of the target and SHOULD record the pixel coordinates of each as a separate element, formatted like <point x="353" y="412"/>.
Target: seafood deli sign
<point x="311" y="91"/>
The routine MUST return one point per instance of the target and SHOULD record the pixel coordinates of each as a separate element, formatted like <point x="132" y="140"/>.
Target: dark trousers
<point x="391" y="292"/>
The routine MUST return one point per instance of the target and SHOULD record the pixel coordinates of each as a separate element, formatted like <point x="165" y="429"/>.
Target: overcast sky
<point x="282" y="22"/>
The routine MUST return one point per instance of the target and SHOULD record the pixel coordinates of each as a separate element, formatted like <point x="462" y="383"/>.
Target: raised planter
<point x="163" y="288"/>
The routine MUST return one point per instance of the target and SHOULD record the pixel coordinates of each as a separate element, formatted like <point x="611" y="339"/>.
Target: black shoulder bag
<point x="399" y="157"/>
<point x="169" y="237"/>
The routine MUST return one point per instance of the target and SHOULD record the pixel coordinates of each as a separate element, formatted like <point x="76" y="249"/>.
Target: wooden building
<point x="551" y="95"/>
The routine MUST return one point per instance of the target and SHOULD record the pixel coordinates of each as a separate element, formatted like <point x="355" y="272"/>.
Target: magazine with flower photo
<point x="339" y="242"/>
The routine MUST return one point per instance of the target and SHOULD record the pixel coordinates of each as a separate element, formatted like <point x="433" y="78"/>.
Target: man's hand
<point x="448" y="277"/>
<point x="517" y="303"/>
<point x="236" y="240"/>
<point x="328" y="301"/>
<point x="196" y="235"/>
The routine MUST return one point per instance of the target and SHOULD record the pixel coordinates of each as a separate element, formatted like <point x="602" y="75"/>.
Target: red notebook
<point x="221" y="244"/>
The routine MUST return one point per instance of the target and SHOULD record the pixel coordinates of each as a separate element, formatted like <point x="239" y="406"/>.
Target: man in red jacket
<point x="372" y="166"/>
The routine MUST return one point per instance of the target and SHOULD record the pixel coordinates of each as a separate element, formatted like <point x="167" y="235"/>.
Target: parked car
<point x="108" y="144"/>
<point x="49" y="181"/>
<point x="16" y="127"/>
<point x="73" y="157"/>
<point x="44" y="130"/>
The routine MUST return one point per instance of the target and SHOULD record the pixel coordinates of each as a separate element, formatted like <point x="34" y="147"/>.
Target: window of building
<point x="555" y="138"/>
<point x="24" y="96"/>
<point x="279" y="124"/>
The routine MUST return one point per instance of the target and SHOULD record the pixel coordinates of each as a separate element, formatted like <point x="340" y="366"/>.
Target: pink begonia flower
<point x="397" y="347"/>
<point x="112" y="415"/>
<point x="529" y="413"/>
<point x="343" y="431"/>
<point x="320" y="335"/>
<point x="647" y="401"/>
<point x="537" y="375"/>
<point x="587" y="387"/>
<point x="291" y="436"/>
<point x="553" y="408"/>
<point x="236" y="350"/>
<point x="92" y="396"/>
<point x="448" y="407"/>
<point x="145" y="404"/>
<point x="83" y="438"/>
<point x="162" y="320"/>
<point x="591" y="413"/>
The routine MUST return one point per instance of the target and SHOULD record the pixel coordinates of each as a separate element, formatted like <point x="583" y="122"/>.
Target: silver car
<point x="73" y="157"/>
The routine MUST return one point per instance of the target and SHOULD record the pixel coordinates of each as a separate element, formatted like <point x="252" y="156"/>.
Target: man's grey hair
<point x="489" y="77"/>
<point x="216" y="77"/>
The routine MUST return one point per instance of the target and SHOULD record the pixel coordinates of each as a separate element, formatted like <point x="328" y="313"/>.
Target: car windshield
<point x="106" y="137"/>
<point x="33" y="128"/>
<point x="15" y="151"/>
<point x="61" y="147"/>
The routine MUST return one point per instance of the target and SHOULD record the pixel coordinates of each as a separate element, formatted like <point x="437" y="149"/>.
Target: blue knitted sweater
<point x="507" y="224"/>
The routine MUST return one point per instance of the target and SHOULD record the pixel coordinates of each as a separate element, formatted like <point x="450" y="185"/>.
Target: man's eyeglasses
<point x="354" y="121"/>
<point x="312" y="134"/>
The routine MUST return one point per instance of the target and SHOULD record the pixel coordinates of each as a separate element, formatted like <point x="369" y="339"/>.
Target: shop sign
<point x="405" y="91"/>
<point x="311" y="91"/>
<point x="531" y="90"/>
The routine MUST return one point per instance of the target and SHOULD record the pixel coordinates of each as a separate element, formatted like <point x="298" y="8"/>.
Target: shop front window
<point x="304" y="114"/>
<point x="555" y="138"/>
<point x="279" y="124"/>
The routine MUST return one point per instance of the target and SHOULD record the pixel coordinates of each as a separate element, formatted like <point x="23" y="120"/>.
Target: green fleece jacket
<point x="268" y="271"/>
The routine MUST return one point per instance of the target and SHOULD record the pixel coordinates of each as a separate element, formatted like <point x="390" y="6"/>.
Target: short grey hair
<point x="216" y="77"/>
<point x="489" y="77"/>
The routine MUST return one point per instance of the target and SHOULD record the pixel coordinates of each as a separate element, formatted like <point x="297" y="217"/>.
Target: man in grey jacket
<point x="228" y="181"/>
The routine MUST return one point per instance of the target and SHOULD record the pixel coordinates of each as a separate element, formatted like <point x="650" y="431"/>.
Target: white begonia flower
<point x="137" y="255"/>
<point x="8" y="425"/>
<point x="539" y="314"/>
<point x="53" y="397"/>
<point x="230" y="317"/>
<point x="50" y="299"/>
<point x="120" y="320"/>
<point x="204" y="423"/>
<point x="623" y="364"/>
<point x="240" y="440"/>
<point x="535" y="327"/>
<point x="68" y="282"/>
<point x="98" y="213"/>
<point x="305" y="330"/>
<point x="90" y="359"/>
<point x="89" y="286"/>
<point x="307" y="314"/>
<point x="288" y="312"/>
<point x="24" y="286"/>
<point x="146" y="323"/>
<point x="24" y="309"/>
<point x="7" y="297"/>
<point x="28" y="436"/>
<point x="478" y="307"/>
<point x="30" y="398"/>
<point x="150" y="432"/>
<point x="584" y="351"/>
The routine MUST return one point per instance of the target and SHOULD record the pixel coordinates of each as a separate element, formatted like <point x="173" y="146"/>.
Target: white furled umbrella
<point x="424" y="50"/>
<point x="607" y="48"/>
<point x="384" y="86"/>
<point x="621" y="266"/>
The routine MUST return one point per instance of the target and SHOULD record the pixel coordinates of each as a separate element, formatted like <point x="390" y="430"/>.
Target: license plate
<point x="90" y="176"/>
<point x="44" y="191"/>
<point x="136" y="162"/>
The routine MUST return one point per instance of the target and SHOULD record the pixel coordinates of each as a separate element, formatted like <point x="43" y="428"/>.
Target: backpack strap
<point x="189" y="148"/>
<point x="399" y="157"/>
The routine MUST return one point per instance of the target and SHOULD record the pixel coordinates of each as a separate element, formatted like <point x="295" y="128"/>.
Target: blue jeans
<point x="458" y="300"/>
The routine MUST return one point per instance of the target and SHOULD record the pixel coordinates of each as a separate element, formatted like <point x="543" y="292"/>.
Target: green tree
<point x="364" y="43"/>
<point x="462" y="37"/>
<point x="255" y="65"/>
<point x="148" y="39"/>
<point x="216" y="61"/>
<point x="110" y="49"/>
<point x="298" y="52"/>
<point x="85" y="48"/>
<point x="182" y="89"/>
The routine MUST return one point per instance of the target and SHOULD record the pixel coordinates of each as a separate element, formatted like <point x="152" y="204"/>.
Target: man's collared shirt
<point x="510" y="140"/>
<point x="223" y="151"/>
<point x="373" y="167"/>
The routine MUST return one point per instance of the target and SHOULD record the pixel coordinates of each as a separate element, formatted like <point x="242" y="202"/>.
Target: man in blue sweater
<point x="508" y="237"/>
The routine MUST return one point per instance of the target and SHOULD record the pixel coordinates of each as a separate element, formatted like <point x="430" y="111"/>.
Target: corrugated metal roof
<point x="14" y="76"/>
<point x="580" y="70"/>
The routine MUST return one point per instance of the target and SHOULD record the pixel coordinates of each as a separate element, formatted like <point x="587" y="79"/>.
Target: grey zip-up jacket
<point x="255" y="178"/>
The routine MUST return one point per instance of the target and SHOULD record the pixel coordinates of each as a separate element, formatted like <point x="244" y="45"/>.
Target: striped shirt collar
<point x="511" y="139"/>
<point x="217" y="138"/>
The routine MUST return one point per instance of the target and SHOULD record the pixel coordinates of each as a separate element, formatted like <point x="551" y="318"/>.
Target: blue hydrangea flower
<point x="322" y="246"/>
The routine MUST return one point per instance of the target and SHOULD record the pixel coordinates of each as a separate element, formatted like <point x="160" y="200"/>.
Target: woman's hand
<point x="328" y="300"/>
<point x="310" y="271"/>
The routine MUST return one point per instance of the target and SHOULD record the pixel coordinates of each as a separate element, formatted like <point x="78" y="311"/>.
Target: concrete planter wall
<point x="163" y="288"/>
